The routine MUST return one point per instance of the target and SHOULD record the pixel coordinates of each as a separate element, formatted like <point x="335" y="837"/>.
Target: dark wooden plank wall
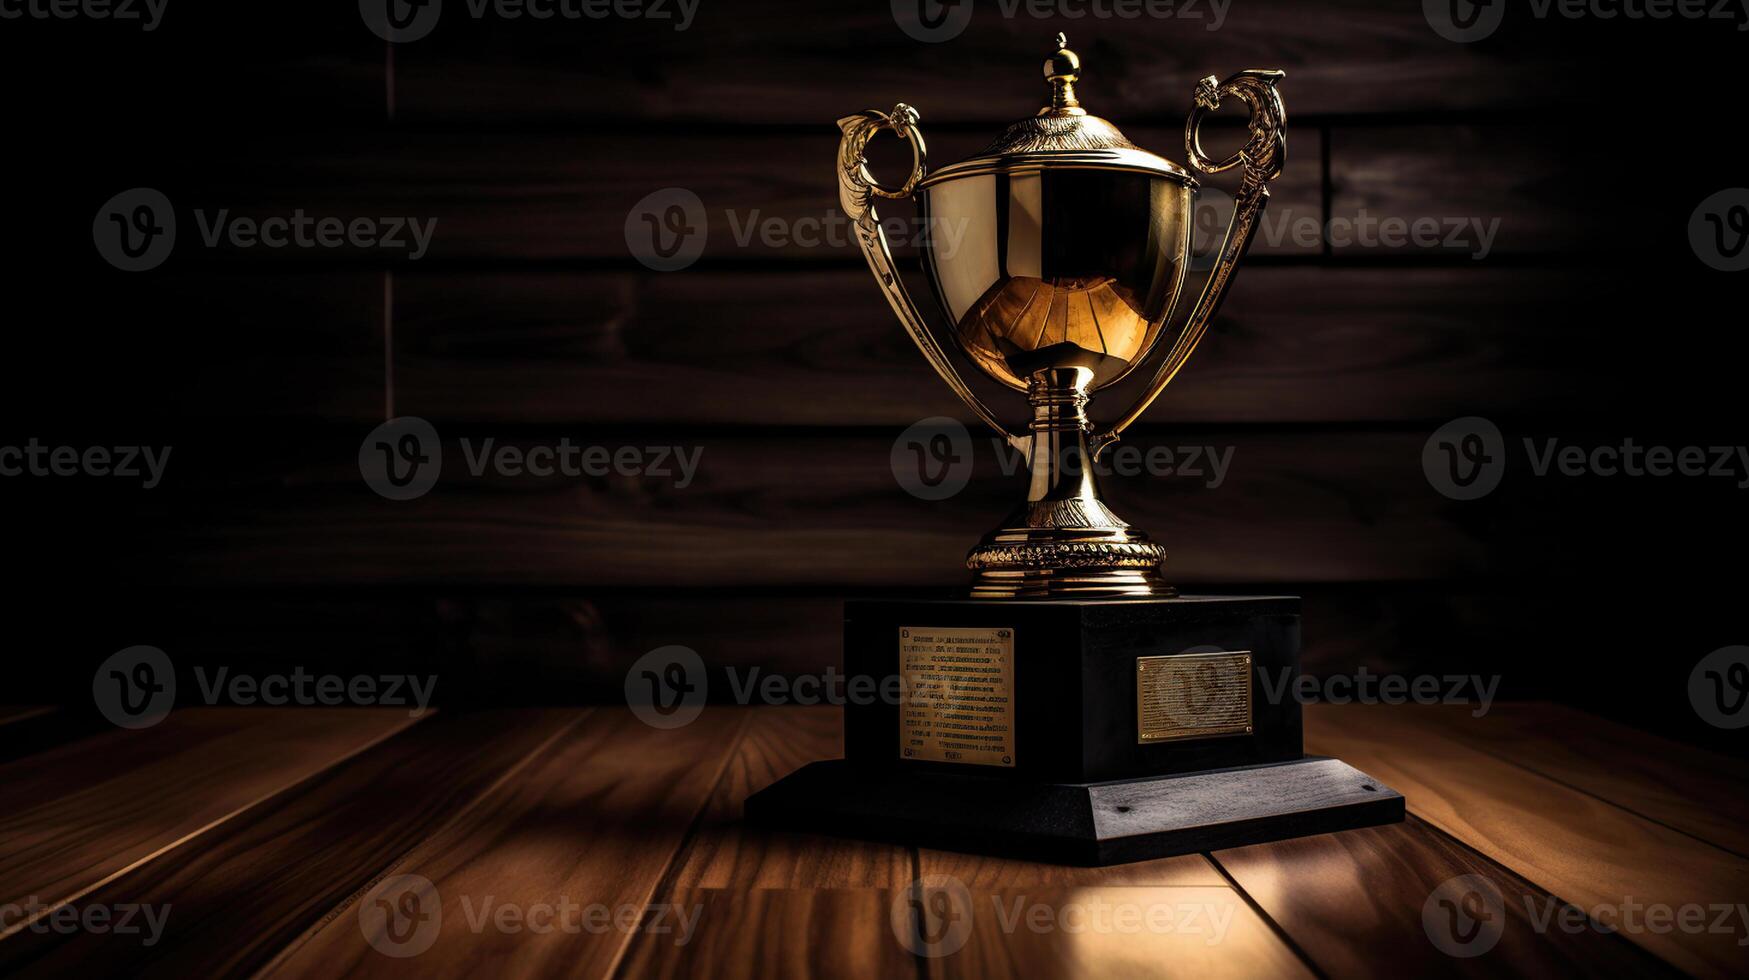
<point x="528" y="321"/>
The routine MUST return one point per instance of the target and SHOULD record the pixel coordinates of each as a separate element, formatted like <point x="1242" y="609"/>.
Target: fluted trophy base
<point x="1064" y="542"/>
<point x="1067" y="562"/>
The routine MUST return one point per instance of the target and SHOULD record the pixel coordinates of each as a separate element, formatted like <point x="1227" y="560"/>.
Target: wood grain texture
<point x="13" y="713"/>
<point x="593" y="822"/>
<point x="820" y="510"/>
<point x="725" y="853"/>
<point x="816" y="348"/>
<point x="1571" y="844"/>
<point x="573" y="197"/>
<point x="762" y="198"/>
<point x="811" y="347"/>
<point x="36" y="729"/>
<point x="1534" y="201"/>
<point x="986" y="873"/>
<point x="537" y="646"/>
<point x="266" y="343"/>
<point x="84" y="812"/>
<point x="1339" y="507"/>
<point x="792" y="933"/>
<point x="781" y="63"/>
<point x="305" y="67"/>
<point x="823" y="510"/>
<point x="1686" y="788"/>
<point x="1107" y="930"/>
<point x="264" y="877"/>
<point x="1353" y="903"/>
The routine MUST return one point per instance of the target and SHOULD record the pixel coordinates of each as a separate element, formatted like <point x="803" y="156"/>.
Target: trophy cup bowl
<point x="1081" y="277"/>
<point x="1070" y="256"/>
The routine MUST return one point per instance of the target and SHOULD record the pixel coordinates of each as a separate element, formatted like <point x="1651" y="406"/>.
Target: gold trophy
<point x="1074" y="707"/>
<point x="1075" y="248"/>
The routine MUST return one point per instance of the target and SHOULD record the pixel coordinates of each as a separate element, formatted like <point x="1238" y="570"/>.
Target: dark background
<point x="1592" y="141"/>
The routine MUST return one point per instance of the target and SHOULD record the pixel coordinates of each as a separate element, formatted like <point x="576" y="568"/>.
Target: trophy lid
<point x="1061" y="136"/>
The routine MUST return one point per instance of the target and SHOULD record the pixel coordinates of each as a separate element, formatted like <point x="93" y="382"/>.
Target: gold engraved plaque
<point x="957" y="703"/>
<point x="1193" y="695"/>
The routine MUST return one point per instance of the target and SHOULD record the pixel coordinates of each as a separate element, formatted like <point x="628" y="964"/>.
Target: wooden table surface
<point x="583" y="842"/>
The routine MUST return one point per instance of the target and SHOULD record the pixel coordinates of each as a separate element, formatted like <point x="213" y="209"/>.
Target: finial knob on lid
<point x="1062" y="70"/>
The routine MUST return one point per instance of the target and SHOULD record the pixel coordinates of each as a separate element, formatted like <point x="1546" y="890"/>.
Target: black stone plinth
<point x="1081" y="785"/>
<point x="1075" y="680"/>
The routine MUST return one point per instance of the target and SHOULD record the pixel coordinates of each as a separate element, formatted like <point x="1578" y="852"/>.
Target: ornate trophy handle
<point x="1263" y="156"/>
<point x="857" y="189"/>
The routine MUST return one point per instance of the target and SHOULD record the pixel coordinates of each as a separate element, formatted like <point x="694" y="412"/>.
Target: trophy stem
<point x="1064" y="542"/>
<point x="1058" y="453"/>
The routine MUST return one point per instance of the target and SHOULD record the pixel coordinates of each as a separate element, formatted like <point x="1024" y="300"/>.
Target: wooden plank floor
<point x="582" y="842"/>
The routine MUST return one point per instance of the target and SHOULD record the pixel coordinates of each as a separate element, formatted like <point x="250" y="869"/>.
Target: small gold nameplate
<point x="957" y="704"/>
<point x="1193" y="695"/>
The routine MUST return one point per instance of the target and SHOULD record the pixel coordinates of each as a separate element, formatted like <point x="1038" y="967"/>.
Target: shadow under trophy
<point x="1074" y="707"/>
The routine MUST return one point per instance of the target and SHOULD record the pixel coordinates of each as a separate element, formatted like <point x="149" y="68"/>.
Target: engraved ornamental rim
<point x="1117" y="161"/>
<point x="1061" y="136"/>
